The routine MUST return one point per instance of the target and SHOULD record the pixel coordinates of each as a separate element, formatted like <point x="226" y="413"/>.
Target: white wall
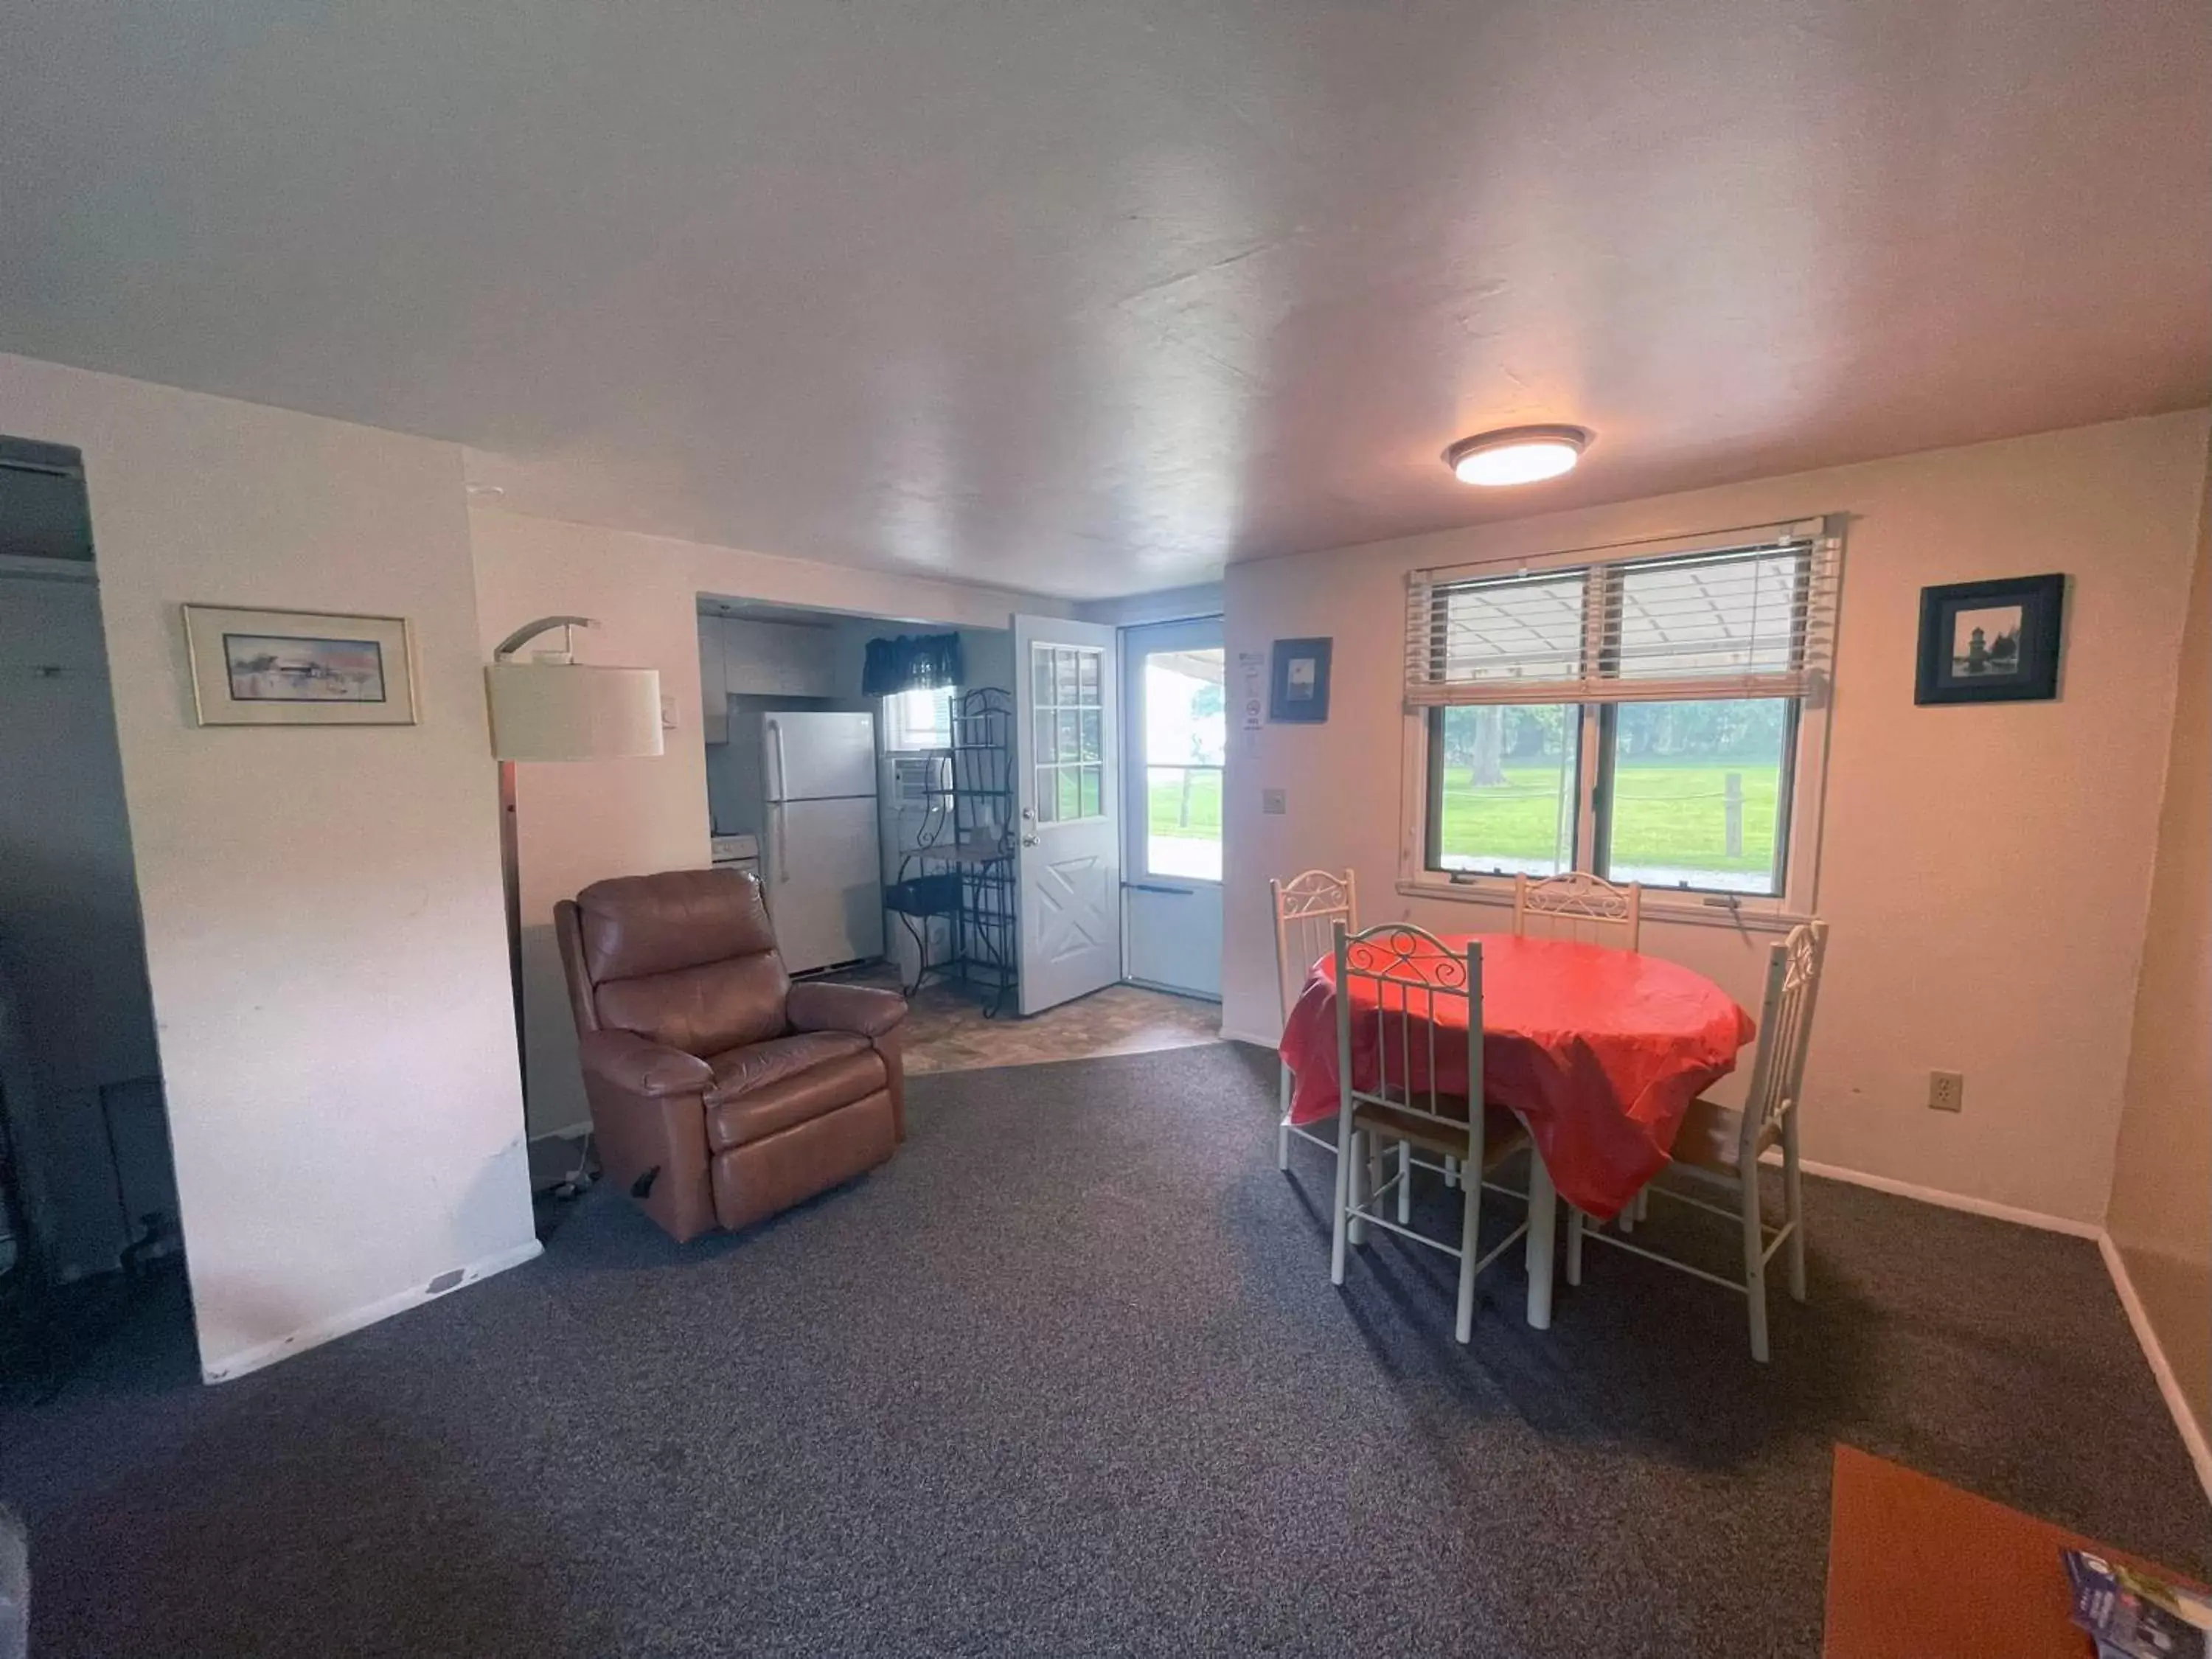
<point x="323" y="935"/>
<point x="2160" y="1218"/>
<point x="579" y="823"/>
<point x="1986" y="869"/>
<point x="69" y="933"/>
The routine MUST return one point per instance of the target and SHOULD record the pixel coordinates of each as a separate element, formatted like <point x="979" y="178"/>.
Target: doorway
<point x="1175" y="682"/>
<point x="87" y="1201"/>
<point x="1067" y="857"/>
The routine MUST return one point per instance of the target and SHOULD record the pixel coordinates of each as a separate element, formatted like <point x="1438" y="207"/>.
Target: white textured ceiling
<point x="1091" y="296"/>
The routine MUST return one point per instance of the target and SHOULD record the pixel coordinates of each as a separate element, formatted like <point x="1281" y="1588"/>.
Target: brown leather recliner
<point x="720" y="1091"/>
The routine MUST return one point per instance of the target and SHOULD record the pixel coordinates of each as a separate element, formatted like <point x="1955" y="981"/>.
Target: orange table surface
<point x="1920" y="1570"/>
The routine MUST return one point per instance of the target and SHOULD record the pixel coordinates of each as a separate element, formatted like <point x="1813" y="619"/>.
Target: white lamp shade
<point x="545" y="711"/>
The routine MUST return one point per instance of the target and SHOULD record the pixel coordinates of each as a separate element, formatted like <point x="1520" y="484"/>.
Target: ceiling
<point x="1092" y="296"/>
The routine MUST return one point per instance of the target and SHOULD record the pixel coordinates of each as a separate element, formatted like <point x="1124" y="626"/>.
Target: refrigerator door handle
<point x="783" y="846"/>
<point x="775" y="744"/>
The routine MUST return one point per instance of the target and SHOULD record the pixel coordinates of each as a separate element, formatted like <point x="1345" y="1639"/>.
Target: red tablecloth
<point x="1599" y="1051"/>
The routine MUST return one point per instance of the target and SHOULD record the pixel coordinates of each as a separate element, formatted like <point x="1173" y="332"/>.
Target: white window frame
<point x="899" y="737"/>
<point x="1808" y="789"/>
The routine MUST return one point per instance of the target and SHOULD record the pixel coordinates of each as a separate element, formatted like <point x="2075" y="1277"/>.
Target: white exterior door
<point x="1175" y="740"/>
<point x="1067" y="782"/>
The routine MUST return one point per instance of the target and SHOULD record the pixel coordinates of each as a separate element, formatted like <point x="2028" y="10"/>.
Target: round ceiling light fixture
<point x="1517" y="454"/>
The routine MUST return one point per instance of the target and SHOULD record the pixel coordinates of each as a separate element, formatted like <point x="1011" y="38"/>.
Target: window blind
<point x="1746" y="614"/>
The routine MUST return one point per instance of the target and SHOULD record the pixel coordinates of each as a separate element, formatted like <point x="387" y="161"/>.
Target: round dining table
<point x="1599" y="1052"/>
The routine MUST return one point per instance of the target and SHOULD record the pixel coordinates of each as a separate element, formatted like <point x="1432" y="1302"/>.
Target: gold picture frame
<point x="262" y="667"/>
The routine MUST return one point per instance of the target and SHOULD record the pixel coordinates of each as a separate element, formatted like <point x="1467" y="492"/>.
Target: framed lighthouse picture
<point x="1994" y="642"/>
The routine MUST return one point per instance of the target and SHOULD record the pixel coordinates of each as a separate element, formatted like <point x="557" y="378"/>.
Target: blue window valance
<point x="912" y="662"/>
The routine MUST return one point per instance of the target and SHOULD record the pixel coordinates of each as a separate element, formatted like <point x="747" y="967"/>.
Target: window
<point x="1657" y="717"/>
<point x="1069" y="738"/>
<point x="920" y="719"/>
<point x="1185" y="733"/>
<point x="1502" y="788"/>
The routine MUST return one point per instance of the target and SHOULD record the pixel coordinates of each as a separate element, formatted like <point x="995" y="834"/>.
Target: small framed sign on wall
<point x="1994" y="642"/>
<point x="299" y="668"/>
<point x="1298" y="688"/>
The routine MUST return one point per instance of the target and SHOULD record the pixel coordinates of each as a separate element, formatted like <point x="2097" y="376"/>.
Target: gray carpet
<point x="1069" y="1377"/>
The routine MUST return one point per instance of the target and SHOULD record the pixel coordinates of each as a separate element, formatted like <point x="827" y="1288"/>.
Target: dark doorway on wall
<point x="90" y="1251"/>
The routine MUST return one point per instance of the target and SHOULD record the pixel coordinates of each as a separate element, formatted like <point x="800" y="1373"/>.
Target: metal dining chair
<point x="1308" y="907"/>
<point x="1719" y="1150"/>
<point x="1410" y="977"/>
<point x="1587" y="909"/>
<point x="1580" y="907"/>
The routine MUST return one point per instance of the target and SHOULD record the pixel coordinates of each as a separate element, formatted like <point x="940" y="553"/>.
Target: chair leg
<point x="1643" y="1202"/>
<point x="1283" y="1128"/>
<point x="1372" y="1171"/>
<point x="1754" y="1269"/>
<point x="1627" y="1219"/>
<point x="1574" y="1245"/>
<point x="1451" y="1173"/>
<point x="1405" y="1183"/>
<point x="1339" y="1230"/>
<point x="1470" y="1235"/>
<point x="1357" y="1231"/>
<point x="1793" y="1199"/>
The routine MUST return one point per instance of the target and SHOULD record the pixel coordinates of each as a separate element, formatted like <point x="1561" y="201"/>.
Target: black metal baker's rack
<point x="963" y="865"/>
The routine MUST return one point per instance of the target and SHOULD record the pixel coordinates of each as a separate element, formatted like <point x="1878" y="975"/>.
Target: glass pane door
<point x="1175" y="718"/>
<point x="1185" y="735"/>
<point x="1068" y="747"/>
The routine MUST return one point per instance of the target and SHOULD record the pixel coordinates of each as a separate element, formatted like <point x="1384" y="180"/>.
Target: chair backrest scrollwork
<point x="1785" y="1031"/>
<point x="1307" y="909"/>
<point x="1416" y="994"/>
<point x="1581" y="907"/>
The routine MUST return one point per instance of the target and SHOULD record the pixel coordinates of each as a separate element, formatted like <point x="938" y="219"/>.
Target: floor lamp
<point x="552" y="708"/>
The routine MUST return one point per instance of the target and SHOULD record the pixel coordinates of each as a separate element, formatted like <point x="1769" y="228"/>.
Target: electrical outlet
<point x="1274" y="802"/>
<point x="1947" y="1091"/>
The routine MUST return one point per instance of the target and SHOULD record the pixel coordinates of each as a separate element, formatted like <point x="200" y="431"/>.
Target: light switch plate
<point x="1274" y="802"/>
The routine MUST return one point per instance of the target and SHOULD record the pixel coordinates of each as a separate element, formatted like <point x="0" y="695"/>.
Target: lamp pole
<point x="510" y="832"/>
<point x="510" y="871"/>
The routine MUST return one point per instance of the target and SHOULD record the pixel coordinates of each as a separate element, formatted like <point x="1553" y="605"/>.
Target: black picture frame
<point x="1992" y="641"/>
<point x="1298" y="682"/>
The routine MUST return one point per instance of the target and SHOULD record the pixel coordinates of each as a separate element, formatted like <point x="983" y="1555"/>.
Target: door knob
<point x="1028" y="841"/>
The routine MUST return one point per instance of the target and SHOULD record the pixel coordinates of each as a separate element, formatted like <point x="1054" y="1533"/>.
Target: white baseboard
<point x="329" y="1330"/>
<point x="1936" y="1195"/>
<point x="2169" y="1385"/>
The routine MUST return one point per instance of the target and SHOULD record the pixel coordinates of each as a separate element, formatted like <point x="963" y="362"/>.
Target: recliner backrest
<point x="686" y="958"/>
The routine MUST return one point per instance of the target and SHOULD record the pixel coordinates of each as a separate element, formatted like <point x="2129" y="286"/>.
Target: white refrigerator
<point x="821" y="862"/>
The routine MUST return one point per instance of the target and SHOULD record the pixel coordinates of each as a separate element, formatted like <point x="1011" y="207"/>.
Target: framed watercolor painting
<point x="299" y="668"/>
<point x="1994" y="642"/>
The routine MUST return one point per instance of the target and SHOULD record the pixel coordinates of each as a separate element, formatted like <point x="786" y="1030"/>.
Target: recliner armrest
<point x="860" y="1009"/>
<point x="628" y="1061"/>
